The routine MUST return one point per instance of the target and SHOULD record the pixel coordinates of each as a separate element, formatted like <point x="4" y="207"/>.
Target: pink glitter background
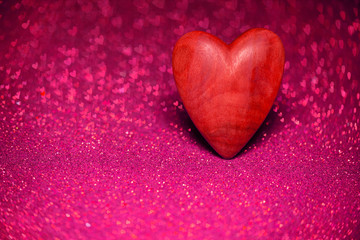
<point x="95" y="142"/>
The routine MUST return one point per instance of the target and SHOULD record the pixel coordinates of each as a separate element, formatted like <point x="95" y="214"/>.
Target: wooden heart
<point x="228" y="90"/>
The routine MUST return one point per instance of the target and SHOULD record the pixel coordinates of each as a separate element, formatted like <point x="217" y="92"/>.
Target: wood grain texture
<point x="228" y="90"/>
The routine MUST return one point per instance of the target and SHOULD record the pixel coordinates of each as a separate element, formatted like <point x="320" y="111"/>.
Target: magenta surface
<point x="95" y="142"/>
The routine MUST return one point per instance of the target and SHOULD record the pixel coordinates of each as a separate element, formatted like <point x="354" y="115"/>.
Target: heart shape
<point x="228" y="90"/>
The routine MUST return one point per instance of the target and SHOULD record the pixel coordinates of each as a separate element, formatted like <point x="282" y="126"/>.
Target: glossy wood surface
<point x="228" y="90"/>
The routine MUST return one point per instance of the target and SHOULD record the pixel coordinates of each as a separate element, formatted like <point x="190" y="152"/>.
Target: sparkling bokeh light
<point x="96" y="144"/>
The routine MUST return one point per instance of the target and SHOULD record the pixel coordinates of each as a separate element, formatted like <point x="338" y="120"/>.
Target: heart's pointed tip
<point x="228" y="155"/>
<point x="228" y="146"/>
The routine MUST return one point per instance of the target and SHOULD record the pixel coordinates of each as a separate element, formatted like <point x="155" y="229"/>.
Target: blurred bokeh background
<point x="96" y="144"/>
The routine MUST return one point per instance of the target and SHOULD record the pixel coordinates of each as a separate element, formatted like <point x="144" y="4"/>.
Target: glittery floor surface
<point x="95" y="142"/>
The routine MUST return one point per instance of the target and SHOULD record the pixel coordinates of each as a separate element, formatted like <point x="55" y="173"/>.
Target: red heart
<point x="228" y="90"/>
